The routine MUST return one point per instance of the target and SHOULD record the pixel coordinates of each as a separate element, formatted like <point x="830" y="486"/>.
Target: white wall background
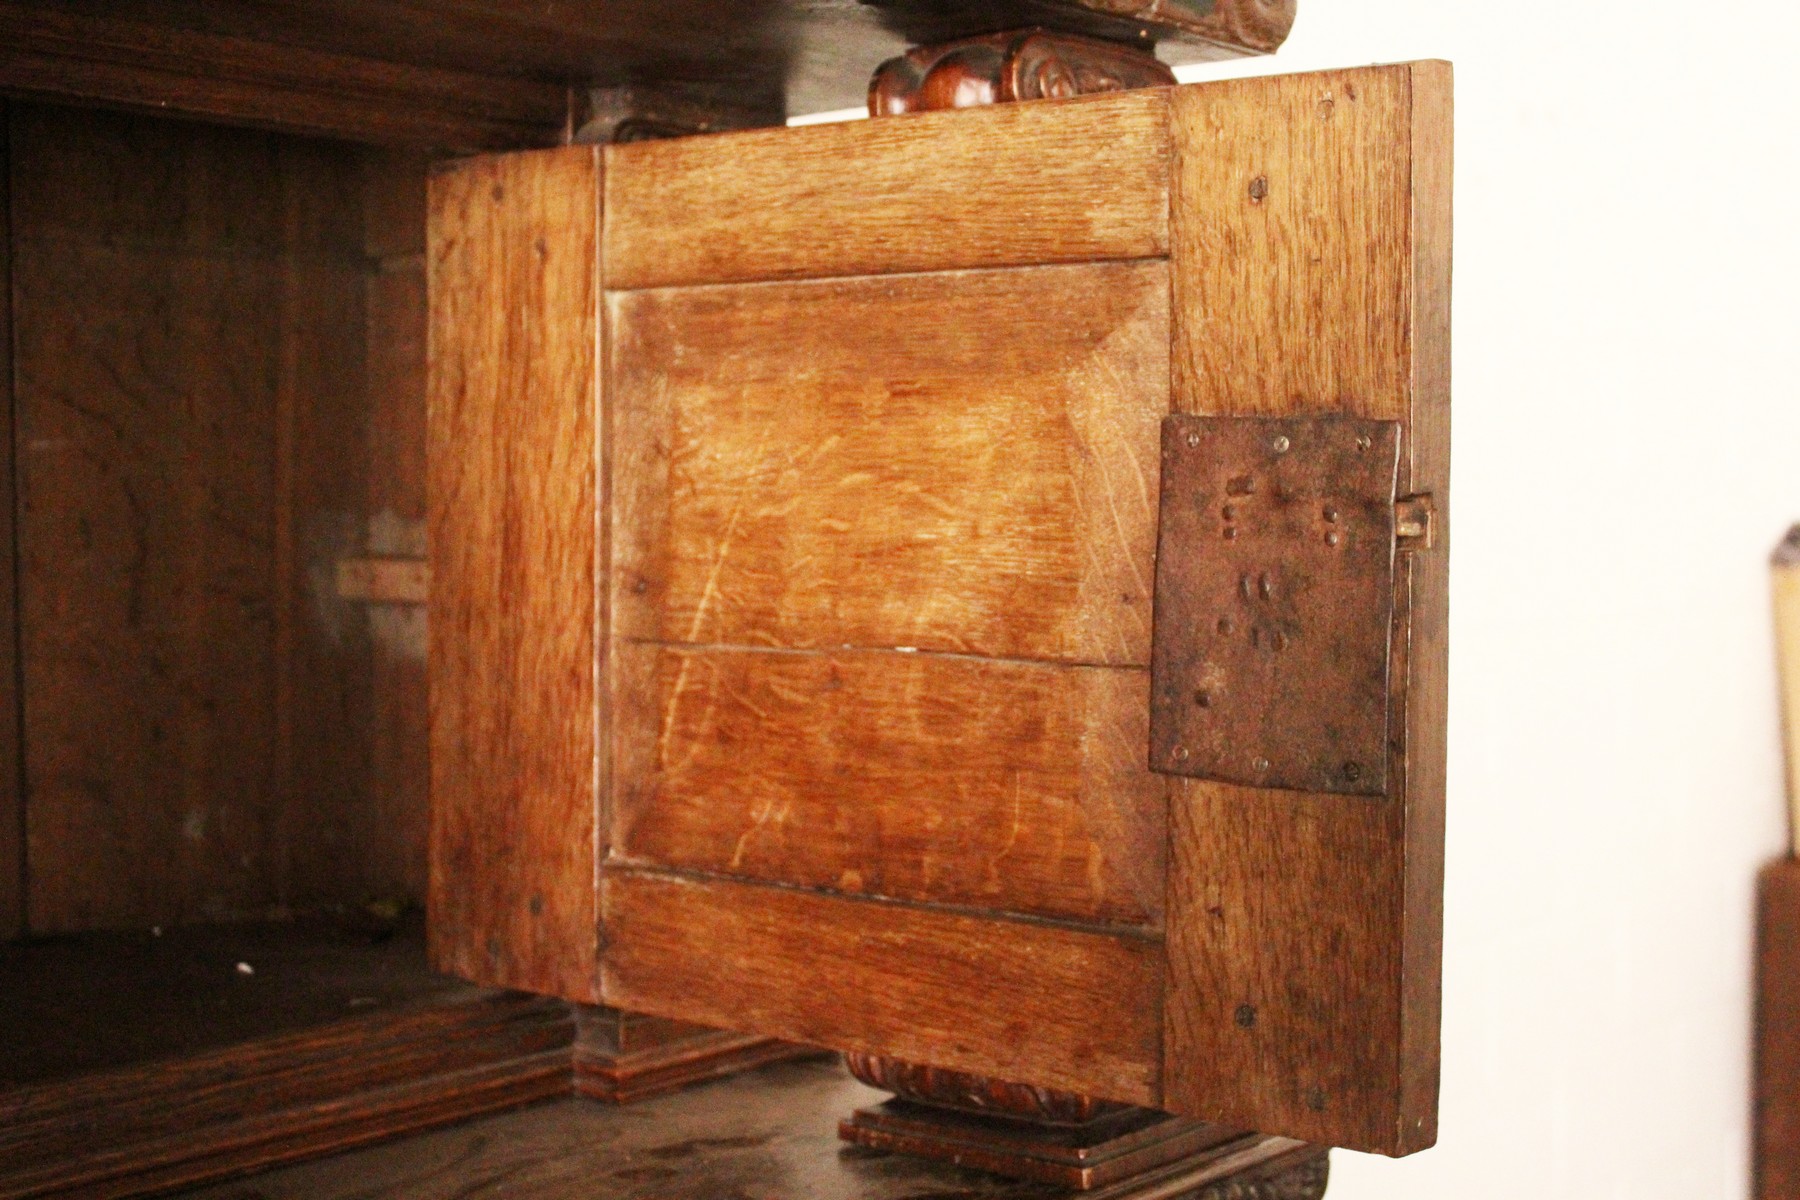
<point x="1627" y="452"/>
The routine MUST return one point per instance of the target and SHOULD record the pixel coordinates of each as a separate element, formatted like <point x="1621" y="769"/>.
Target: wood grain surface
<point x="1062" y="181"/>
<point x="1061" y="1007"/>
<point x="269" y="1101"/>
<point x="214" y="356"/>
<point x="515" y="553"/>
<point x="475" y="74"/>
<point x="394" y="185"/>
<point x="12" y="765"/>
<point x="156" y="65"/>
<point x="1312" y="270"/>
<point x="625" y="1058"/>
<point x="188" y="307"/>
<point x="1777" y="1068"/>
<point x="135" y="1061"/>
<point x="1008" y="786"/>
<point x="962" y="462"/>
<point x="769" y="1134"/>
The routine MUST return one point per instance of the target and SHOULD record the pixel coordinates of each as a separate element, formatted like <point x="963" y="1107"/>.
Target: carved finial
<point x="997" y="68"/>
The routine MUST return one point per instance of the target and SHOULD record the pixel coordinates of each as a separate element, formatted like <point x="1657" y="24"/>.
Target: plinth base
<point x="1123" y="1155"/>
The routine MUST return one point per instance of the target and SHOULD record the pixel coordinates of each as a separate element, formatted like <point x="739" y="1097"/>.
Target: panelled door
<point x="803" y="657"/>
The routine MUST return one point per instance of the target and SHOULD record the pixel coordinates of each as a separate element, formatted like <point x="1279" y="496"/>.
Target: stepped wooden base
<point x="1133" y="1153"/>
<point x="1095" y="1147"/>
<point x="623" y="1057"/>
<point x="133" y="1064"/>
<point x="184" y="1121"/>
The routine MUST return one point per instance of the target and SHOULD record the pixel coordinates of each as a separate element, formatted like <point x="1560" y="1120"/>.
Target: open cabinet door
<point x="804" y="660"/>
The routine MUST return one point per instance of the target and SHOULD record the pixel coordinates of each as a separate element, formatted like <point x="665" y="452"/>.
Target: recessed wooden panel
<point x="1311" y="276"/>
<point x="514" y="546"/>
<point x="1017" y="1000"/>
<point x="998" y="785"/>
<point x="962" y="462"/>
<point x="1013" y="184"/>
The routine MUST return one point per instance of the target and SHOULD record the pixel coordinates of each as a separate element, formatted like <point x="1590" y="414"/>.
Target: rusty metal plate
<point x="1275" y="602"/>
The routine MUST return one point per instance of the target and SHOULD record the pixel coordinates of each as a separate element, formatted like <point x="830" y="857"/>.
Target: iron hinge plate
<point x="1274" y="616"/>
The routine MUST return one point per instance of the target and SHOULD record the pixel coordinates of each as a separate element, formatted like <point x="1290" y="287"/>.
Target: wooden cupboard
<point x="794" y="526"/>
<point x="792" y="507"/>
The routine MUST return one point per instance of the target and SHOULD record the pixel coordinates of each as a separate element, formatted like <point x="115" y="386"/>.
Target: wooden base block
<point x="1131" y="1153"/>
<point x="623" y="1057"/>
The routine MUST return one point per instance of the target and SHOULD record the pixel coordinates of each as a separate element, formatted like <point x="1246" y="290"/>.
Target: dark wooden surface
<point x="12" y="765"/>
<point x="395" y="798"/>
<point x="477" y="74"/>
<point x="132" y="1063"/>
<point x="92" y="1001"/>
<point x="218" y="331"/>
<point x="625" y="1058"/>
<point x="765" y="1135"/>
<point x="514" y="545"/>
<point x="157" y="63"/>
<point x="1777" y="1071"/>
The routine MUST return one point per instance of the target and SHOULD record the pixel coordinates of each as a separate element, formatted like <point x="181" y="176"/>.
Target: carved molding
<point x="1304" y="1182"/>
<point x="998" y="68"/>
<point x="975" y="1093"/>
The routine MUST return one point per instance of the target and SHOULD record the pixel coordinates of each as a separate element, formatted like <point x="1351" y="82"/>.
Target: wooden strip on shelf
<point x="1013" y="184"/>
<point x="1061" y="1007"/>
<point x="962" y="461"/>
<point x="622" y="1058"/>
<point x="997" y="785"/>
<point x="68" y="56"/>
<point x="514" y="553"/>
<point x="167" y="1124"/>
<point x="1312" y="231"/>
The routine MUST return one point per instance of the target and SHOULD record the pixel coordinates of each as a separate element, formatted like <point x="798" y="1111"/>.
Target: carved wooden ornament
<point x="998" y="68"/>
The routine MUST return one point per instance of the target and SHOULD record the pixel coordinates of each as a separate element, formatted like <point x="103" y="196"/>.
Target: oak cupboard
<point x="794" y="513"/>
<point x="833" y="627"/>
